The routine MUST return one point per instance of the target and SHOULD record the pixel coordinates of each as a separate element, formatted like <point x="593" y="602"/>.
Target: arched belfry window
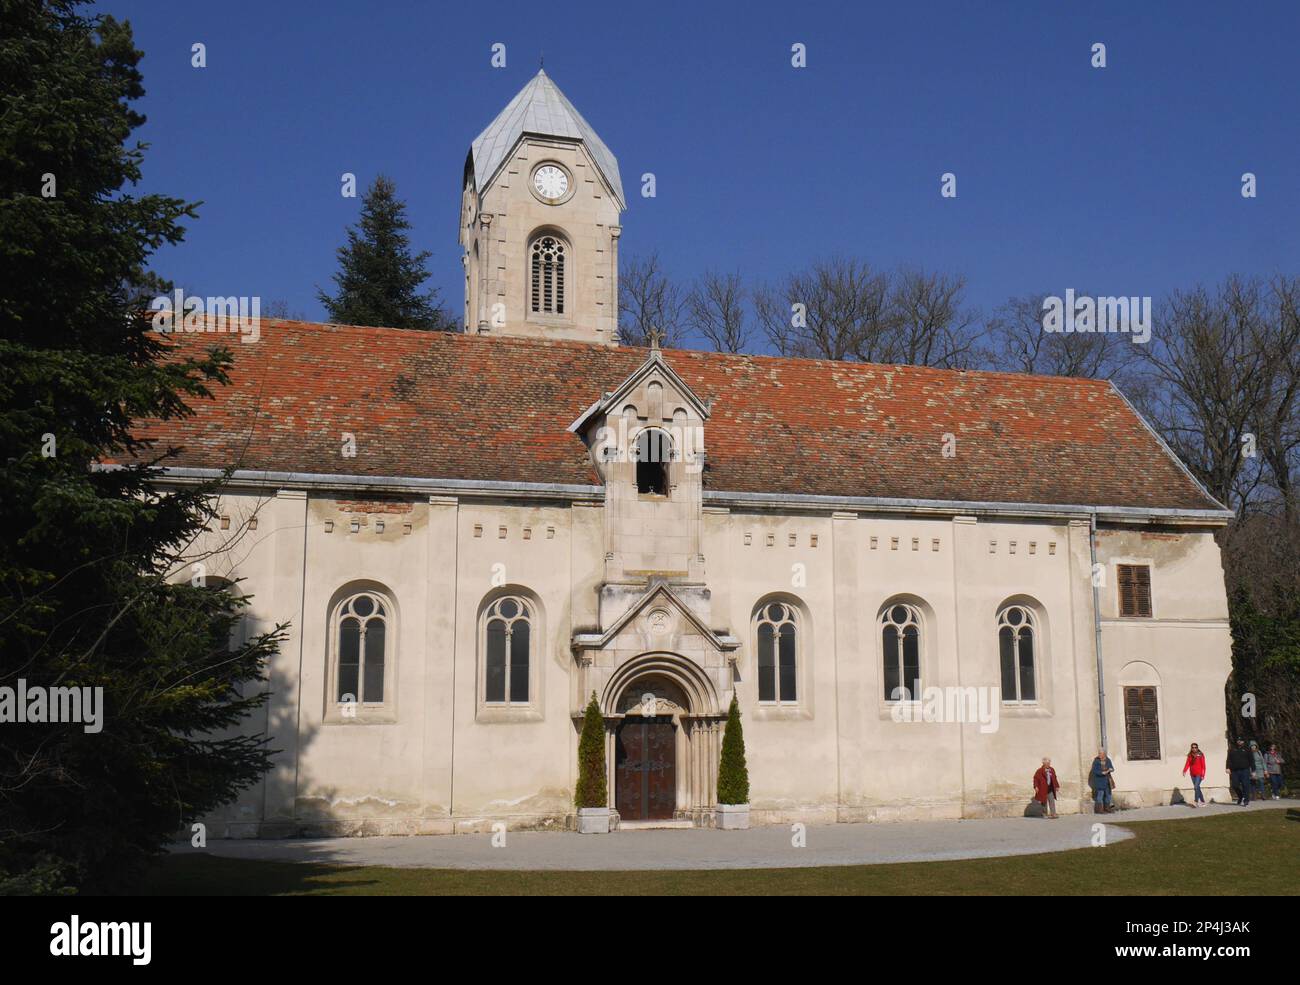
<point x="508" y="651"/>
<point x="1017" y="631"/>
<point x="547" y="258"/>
<point x="361" y="635"/>
<point x="654" y="450"/>
<point x="777" y="632"/>
<point x="900" y="638"/>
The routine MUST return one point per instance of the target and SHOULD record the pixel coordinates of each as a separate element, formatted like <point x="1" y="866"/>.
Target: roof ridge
<point x="740" y="357"/>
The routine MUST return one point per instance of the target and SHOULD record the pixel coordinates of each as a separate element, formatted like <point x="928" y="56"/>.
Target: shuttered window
<point x="1141" y="723"/>
<point x="1134" y="590"/>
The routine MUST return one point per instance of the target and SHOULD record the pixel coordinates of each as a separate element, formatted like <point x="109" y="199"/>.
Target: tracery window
<point x="548" y="255"/>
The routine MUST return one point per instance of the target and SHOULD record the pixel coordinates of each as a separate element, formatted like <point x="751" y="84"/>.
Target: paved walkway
<point x="699" y="848"/>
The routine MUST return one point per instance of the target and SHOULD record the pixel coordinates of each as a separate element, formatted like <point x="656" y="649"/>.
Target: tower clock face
<point x="551" y="182"/>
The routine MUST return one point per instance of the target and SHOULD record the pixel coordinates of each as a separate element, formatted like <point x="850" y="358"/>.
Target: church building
<point x="916" y="582"/>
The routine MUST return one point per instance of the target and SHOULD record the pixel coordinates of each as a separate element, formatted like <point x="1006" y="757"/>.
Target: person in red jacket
<point x="1195" y="765"/>
<point x="1045" y="788"/>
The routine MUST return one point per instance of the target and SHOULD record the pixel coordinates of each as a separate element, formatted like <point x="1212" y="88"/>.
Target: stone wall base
<point x="375" y="827"/>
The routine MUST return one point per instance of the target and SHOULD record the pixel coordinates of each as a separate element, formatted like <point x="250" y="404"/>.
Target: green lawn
<point x="1241" y="854"/>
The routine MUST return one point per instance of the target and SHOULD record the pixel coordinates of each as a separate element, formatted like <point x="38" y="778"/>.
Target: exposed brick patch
<point x="373" y="506"/>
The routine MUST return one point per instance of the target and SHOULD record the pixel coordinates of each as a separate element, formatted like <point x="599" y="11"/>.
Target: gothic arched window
<point x="1016" y="632"/>
<point x="777" y="626"/>
<point x="507" y="648"/>
<point x="361" y="648"/>
<point x="900" y="637"/>
<point x="547" y="262"/>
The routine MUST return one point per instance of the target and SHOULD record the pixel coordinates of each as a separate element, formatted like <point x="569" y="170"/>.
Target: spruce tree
<point x="379" y="278"/>
<point x="733" y="774"/>
<point x="86" y="600"/>
<point x="591" y="787"/>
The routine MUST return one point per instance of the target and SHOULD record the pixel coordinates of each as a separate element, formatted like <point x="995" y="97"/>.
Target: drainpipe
<point x="1096" y="625"/>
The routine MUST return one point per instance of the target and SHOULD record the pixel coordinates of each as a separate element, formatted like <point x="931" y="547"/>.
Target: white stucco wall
<point x="436" y="762"/>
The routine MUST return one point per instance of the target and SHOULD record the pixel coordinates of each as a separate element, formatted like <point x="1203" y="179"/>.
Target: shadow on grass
<point x="1247" y="854"/>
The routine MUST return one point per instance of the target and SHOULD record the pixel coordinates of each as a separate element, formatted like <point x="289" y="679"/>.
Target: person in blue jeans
<point x="1099" y="778"/>
<point x="1273" y="762"/>
<point x="1239" y="764"/>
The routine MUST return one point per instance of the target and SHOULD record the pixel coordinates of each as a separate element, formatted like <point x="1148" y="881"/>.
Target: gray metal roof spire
<point x="541" y="109"/>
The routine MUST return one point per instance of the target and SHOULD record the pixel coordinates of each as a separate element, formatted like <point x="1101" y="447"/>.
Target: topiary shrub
<point x="733" y="774"/>
<point x="591" y="787"/>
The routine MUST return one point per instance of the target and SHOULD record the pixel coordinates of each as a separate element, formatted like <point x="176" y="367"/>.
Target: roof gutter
<point x="800" y="501"/>
<point x="908" y="505"/>
<point x="375" y="483"/>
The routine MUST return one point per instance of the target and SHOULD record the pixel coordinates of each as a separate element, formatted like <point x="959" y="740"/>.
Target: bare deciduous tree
<point x="647" y="299"/>
<point x="844" y="309"/>
<point x="1213" y="364"/>
<point x="716" y="309"/>
<point x="1018" y="343"/>
<point x="836" y="309"/>
<point x="931" y="324"/>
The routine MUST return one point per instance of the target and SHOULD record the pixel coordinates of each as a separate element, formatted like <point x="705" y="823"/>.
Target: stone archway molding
<point x="685" y="673"/>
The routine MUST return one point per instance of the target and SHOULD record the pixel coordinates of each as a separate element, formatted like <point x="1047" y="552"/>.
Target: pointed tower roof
<point x="542" y="110"/>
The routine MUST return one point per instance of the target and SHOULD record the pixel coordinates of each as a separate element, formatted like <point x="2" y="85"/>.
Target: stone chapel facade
<point x="469" y="534"/>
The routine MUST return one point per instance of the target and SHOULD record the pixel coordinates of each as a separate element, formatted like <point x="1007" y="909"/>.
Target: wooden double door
<point x="645" y="769"/>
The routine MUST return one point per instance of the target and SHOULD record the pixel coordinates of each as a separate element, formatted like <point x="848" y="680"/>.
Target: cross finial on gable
<point x="656" y="336"/>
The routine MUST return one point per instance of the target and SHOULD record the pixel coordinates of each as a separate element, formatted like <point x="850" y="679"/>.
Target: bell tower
<point x="539" y="227"/>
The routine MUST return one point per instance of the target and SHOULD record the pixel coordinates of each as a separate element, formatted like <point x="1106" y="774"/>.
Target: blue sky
<point x="1124" y="180"/>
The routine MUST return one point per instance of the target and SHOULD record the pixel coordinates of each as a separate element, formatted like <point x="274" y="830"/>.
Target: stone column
<point x="484" y="265"/>
<point x="715" y="757"/>
<point x="614" y="233"/>
<point x="610" y="749"/>
<point x="697" y="743"/>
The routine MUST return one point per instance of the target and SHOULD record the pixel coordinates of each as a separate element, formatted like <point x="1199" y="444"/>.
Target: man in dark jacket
<point x="1239" y="764"/>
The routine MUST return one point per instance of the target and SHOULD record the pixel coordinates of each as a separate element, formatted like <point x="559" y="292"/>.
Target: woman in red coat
<point x="1195" y="765"/>
<point x="1045" y="788"/>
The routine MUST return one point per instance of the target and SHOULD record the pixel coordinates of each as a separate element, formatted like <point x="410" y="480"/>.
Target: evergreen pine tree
<point x="379" y="278"/>
<point x="85" y="552"/>
<point x="733" y="774"/>
<point x="591" y="788"/>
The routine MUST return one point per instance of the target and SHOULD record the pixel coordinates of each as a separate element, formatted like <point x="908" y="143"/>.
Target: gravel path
<point x="698" y="848"/>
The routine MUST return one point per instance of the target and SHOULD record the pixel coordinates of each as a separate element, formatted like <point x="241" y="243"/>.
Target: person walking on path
<point x="1045" y="788"/>
<point x="1273" y="763"/>
<point x="1101" y="779"/>
<point x="1195" y="765"/>
<point x="1239" y="763"/>
<point x="1257" y="769"/>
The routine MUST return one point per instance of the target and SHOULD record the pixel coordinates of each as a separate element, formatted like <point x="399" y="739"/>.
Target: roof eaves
<point x="1167" y="450"/>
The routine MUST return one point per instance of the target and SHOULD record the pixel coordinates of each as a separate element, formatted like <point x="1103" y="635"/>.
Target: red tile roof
<point x="451" y="406"/>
